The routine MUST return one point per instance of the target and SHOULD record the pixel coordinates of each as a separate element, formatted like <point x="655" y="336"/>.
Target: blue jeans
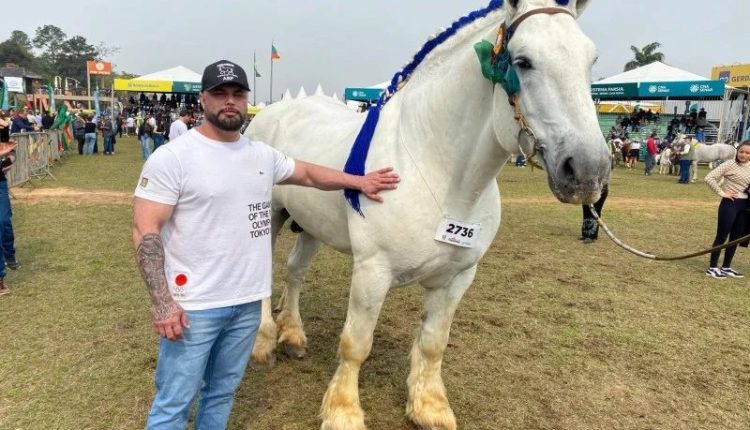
<point x="89" y="142"/>
<point x="158" y="140"/>
<point x="211" y="357"/>
<point x="6" y="228"/>
<point x="650" y="162"/>
<point x="145" y="146"/>
<point x="685" y="171"/>
<point x="109" y="144"/>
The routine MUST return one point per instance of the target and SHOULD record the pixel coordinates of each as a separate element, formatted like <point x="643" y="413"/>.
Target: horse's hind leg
<point x="428" y="406"/>
<point x="265" y="340"/>
<point x="291" y="334"/>
<point x="694" y="171"/>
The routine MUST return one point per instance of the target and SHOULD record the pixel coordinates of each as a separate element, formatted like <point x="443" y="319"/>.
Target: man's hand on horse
<point x="377" y="181"/>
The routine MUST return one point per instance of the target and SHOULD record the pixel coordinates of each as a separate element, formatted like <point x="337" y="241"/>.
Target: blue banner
<point x="363" y="94"/>
<point x="682" y="89"/>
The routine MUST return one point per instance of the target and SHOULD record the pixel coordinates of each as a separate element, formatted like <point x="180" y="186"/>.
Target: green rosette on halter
<point x="497" y="69"/>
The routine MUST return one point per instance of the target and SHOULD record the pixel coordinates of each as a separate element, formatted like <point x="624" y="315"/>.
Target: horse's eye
<point x="523" y="63"/>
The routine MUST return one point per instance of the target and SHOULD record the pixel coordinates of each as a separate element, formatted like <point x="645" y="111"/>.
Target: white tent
<point x="287" y="95"/>
<point x="302" y="93"/>
<point x="175" y="74"/>
<point x="654" y="72"/>
<point x="319" y="91"/>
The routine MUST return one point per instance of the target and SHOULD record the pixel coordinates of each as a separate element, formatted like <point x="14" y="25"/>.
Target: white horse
<point x="664" y="161"/>
<point x="708" y="153"/>
<point x="448" y="131"/>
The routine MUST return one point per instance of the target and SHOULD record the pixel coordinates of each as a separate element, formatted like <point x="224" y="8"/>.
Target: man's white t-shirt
<point x="217" y="243"/>
<point x="177" y="129"/>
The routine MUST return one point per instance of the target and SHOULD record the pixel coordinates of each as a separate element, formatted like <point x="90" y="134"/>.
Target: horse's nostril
<point x="567" y="170"/>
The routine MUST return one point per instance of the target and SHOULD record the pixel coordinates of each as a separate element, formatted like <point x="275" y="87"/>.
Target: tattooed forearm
<point x="150" y="258"/>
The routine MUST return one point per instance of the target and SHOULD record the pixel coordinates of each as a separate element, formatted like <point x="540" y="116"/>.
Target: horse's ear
<point x="581" y="5"/>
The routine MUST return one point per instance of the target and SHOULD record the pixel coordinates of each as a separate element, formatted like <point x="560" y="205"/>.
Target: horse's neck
<point x="445" y="119"/>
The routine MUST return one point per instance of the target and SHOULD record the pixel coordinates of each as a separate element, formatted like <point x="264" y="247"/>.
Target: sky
<point x="354" y="43"/>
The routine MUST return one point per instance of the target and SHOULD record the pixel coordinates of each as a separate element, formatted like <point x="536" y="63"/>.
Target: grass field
<point x="554" y="334"/>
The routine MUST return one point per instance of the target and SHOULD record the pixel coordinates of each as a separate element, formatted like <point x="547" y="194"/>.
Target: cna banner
<point x="14" y="85"/>
<point x="99" y="67"/>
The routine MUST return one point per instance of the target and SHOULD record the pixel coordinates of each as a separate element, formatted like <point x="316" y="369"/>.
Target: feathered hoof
<point x="294" y="351"/>
<point x="344" y="419"/>
<point x="263" y="361"/>
<point x="434" y="418"/>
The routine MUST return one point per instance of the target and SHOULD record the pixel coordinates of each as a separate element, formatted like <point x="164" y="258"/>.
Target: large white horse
<point x="708" y="153"/>
<point x="447" y="131"/>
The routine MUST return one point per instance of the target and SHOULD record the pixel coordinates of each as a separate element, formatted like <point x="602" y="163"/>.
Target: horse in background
<point x="707" y="153"/>
<point x="664" y="161"/>
<point x="437" y="225"/>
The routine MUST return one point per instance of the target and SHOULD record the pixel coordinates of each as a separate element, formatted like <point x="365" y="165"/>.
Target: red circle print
<point x="180" y="280"/>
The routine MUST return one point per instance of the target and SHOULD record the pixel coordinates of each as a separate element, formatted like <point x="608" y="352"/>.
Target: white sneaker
<point x="728" y="271"/>
<point x="716" y="273"/>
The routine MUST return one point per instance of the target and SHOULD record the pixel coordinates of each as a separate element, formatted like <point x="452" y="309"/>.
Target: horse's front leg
<point x="694" y="171"/>
<point x="341" y="409"/>
<point x="428" y="405"/>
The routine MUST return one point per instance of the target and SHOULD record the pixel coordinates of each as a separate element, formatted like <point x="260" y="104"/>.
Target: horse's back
<point x="315" y="129"/>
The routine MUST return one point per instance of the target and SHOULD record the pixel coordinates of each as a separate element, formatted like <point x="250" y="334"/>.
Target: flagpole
<point x="255" y="75"/>
<point x="271" y="89"/>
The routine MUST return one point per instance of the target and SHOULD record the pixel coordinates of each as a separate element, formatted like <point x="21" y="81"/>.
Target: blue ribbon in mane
<point x="355" y="164"/>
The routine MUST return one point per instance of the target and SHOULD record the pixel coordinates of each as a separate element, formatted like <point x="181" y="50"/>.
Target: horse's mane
<point x="406" y="72"/>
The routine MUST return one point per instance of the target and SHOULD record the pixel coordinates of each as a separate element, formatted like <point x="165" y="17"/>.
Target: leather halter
<point x="504" y="34"/>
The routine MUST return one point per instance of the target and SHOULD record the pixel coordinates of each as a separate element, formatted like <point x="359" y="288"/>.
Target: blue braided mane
<point x="355" y="164"/>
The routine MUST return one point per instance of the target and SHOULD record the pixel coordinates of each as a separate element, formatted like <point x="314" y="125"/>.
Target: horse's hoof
<point x="265" y="361"/>
<point x="294" y="351"/>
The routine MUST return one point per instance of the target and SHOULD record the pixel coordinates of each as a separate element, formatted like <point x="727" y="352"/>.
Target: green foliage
<point x="51" y="52"/>
<point x="644" y="56"/>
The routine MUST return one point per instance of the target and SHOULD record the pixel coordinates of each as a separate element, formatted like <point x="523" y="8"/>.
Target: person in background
<point x="158" y="134"/>
<point x="105" y="125"/>
<point x="731" y="181"/>
<point x="79" y="133"/>
<point x="179" y="126"/>
<point x="686" y="160"/>
<point x="145" y="132"/>
<point x="89" y="135"/>
<point x="20" y="122"/>
<point x="4" y="127"/>
<point x="7" y="239"/>
<point x="47" y="120"/>
<point x="651" y="151"/>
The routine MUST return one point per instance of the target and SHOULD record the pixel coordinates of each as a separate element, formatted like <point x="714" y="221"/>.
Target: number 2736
<point x="457" y="229"/>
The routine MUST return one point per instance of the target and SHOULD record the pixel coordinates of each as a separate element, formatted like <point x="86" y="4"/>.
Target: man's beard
<point x="227" y="124"/>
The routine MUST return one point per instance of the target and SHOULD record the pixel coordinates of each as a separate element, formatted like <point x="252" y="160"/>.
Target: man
<point x="687" y="155"/>
<point x="8" y="251"/>
<point x="20" y="123"/>
<point x="108" y="134"/>
<point x="651" y="151"/>
<point x="130" y="126"/>
<point x="179" y="126"/>
<point x="201" y="231"/>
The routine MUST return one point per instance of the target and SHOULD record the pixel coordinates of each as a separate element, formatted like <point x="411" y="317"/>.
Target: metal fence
<point x="35" y="154"/>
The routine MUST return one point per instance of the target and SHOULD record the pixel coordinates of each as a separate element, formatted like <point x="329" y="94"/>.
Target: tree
<point x="21" y="39"/>
<point x="644" y="56"/>
<point x="48" y="39"/>
<point x="74" y="53"/>
<point x="11" y="52"/>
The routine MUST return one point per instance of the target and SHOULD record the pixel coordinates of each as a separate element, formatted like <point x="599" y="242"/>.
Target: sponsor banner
<point x="736" y="76"/>
<point x="362" y="94"/>
<point x="599" y="91"/>
<point x="186" y="87"/>
<point x="99" y="67"/>
<point x="682" y="89"/>
<point x="144" y="86"/>
<point x="14" y="85"/>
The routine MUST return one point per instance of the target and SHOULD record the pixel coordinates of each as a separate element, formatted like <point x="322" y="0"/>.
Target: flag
<point x="274" y="54"/>
<point x="97" y="111"/>
<point x="62" y="122"/>
<point x="51" y="91"/>
<point x="257" y="73"/>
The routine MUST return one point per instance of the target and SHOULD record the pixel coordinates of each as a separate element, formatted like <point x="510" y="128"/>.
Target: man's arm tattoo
<point x="150" y="258"/>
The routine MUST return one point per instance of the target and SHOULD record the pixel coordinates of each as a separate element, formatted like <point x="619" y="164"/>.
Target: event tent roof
<point x="175" y="74"/>
<point x="657" y="81"/>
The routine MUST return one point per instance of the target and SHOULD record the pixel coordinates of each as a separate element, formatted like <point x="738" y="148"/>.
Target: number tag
<point x="457" y="233"/>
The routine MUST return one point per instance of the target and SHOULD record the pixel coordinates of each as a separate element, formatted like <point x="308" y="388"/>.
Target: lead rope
<point x="630" y="249"/>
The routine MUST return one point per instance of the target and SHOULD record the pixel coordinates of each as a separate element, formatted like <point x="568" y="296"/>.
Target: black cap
<point x="223" y="72"/>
